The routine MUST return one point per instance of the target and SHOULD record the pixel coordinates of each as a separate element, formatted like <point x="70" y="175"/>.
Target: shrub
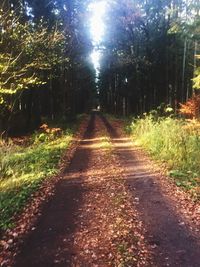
<point x="191" y="108"/>
<point x="176" y="142"/>
<point x="22" y="170"/>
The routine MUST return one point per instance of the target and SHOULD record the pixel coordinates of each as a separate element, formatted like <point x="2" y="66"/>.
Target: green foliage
<point x="169" y="140"/>
<point x="150" y="54"/>
<point x="187" y="180"/>
<point x="22" y="169"/>
<point x="196" y="80"/>
<point x="27" y="52"/>
<point x="43" y="66"/>
<point x="105" y="143"/>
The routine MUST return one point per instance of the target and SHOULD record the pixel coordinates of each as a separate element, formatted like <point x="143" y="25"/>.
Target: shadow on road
<point x="51" y="243"/>
<point x="171" y="240"/>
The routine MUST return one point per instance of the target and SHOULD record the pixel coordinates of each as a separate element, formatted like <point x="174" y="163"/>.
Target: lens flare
<point x="97" y="30"/>
<point x="95" y="57"/>
<point x="97" y="26"/>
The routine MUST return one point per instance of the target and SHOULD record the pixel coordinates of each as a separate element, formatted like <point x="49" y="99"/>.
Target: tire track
<point x="172" y="241"/>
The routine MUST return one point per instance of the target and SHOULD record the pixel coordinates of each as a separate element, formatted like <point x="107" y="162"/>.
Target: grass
<point x="105" y="143"/>
<point x="22" y="170"/>
<point x="175" y="142"/>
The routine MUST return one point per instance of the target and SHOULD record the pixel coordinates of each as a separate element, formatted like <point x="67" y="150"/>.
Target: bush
<point x="22" y="170"/>
<point x="191" y="108"/>
<point x="176" y="142"/>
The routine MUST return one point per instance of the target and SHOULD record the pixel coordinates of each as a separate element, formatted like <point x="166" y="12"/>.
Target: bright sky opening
<point x="96" y="56"/>
<point x="97" y="26"/>
<point x="97" y="30"/>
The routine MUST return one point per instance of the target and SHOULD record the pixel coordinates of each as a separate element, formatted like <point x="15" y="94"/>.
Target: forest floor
<point x="112" y="207"/>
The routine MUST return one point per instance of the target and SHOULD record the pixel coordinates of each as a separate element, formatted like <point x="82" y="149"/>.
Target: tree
<point x="27" y="52"/>
<point x="44" y="50"/>
<point x="151" y="47"/>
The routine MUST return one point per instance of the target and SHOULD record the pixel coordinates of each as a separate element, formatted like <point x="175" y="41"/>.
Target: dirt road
<point x="167" y="231"/>
<point x="110" y="209"/>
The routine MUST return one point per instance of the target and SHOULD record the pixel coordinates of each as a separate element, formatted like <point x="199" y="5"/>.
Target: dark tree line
<point x="151" y="55"/>
<point x="44" y="68"/>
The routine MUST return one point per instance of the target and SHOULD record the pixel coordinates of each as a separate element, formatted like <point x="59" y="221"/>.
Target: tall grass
<point x="22" y="169"/>
<point x="174" y="141"/>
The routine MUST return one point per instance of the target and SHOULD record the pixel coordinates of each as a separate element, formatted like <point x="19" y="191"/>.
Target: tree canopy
<point x="149" y="55"/>
<point x="43" y="61"/>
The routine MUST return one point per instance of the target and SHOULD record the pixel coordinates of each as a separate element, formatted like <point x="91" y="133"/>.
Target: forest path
<point x="107" y="200"/>
<point x="175" y="240"/>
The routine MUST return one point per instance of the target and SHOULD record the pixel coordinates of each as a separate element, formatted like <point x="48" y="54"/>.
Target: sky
<point x="97" y="31"/>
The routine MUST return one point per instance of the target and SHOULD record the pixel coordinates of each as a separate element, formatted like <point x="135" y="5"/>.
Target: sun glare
<point x="95" y="57"/>
<point x="97" y="30"/>
<point x="97" y="26"/>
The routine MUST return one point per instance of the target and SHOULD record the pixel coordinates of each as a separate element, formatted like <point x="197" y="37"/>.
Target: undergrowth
<point x="105" y="143"/>
<point x="23" y="168"/>
<point x="175" y="142"/>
